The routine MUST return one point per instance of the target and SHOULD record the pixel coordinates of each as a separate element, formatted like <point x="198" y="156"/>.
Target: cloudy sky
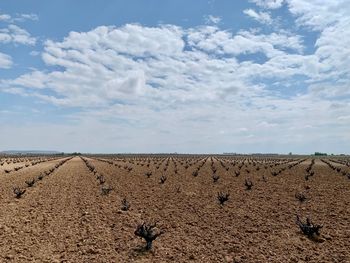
<point x="205" y="76"/>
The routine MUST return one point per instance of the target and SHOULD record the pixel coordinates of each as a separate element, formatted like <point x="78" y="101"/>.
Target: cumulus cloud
<point x="332" y="21"/>
<point x="25" y="17"/>
<point x="5" y="17"/>
<point x="202" y="83"/>
<point x="165" y="63"/>
<point x="318" y="14"/>
<point x="155" y="63"/>
<point x="16" y="34"/>
<point x="210" y="19"/>
<point x="5" y="61"/>
<point x="211" y="39"/>
<point x="269" y="4"/>
<point x="261" y="17"/>
<point x="18" y="18"/>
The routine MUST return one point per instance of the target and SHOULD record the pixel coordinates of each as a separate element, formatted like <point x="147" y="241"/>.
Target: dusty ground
<point x="64" y="217"/>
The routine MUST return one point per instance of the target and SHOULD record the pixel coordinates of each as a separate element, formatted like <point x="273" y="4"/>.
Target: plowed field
<point x="64" y="217"/>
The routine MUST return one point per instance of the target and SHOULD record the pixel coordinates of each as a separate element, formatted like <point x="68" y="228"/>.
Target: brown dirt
<point x="64" y="217"/>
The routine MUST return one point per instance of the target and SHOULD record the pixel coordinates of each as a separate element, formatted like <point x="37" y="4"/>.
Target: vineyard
<point x="174" y="208"/>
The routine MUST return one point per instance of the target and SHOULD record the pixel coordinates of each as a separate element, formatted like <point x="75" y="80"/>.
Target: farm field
<point x="72" y="209"/>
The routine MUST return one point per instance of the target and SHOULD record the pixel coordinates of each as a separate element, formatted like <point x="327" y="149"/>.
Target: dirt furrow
<point x="60" y="221"/>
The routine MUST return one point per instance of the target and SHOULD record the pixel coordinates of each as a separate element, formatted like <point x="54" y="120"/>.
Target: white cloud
<point x="5" y="61"/>
<point x="211" y="39"/>
<point x="34" y="79"/>
<point x="25" y="17"/>
<point x="331" y="19"/>
<point x="18" y="18"/>
<point x="344" y="118"/>
<point x="136" y="64"/>
<point x="319" y="14"/>
<point x="155" y="83"/>
<point x="16" y="34"/>
<point x="5" y="17"/>
<point x="34" y="53"/>
<point x="269" y="4"/>
<point x="261" y="17"/>
<point x="210" y="19"/>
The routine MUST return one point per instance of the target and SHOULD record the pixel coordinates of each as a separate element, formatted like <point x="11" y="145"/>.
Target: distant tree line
<point x="320" y="154"/>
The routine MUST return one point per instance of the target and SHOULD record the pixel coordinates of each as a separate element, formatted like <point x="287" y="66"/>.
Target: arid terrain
<point x="71" y="210"/>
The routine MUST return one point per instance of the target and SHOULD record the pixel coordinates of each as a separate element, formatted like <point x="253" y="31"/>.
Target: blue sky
<point x="175" y="76"/>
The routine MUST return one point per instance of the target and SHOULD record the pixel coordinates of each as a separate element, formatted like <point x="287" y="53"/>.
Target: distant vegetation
<point x="320" y="154"/>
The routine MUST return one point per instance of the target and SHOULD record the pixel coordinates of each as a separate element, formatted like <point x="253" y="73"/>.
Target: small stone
<point x="327" y="237"/>
<point x="237" y="259"/>
<point x="228" y="259"/>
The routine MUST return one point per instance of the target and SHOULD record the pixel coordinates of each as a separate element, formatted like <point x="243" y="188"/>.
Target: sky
<point x="204" y="76"/>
